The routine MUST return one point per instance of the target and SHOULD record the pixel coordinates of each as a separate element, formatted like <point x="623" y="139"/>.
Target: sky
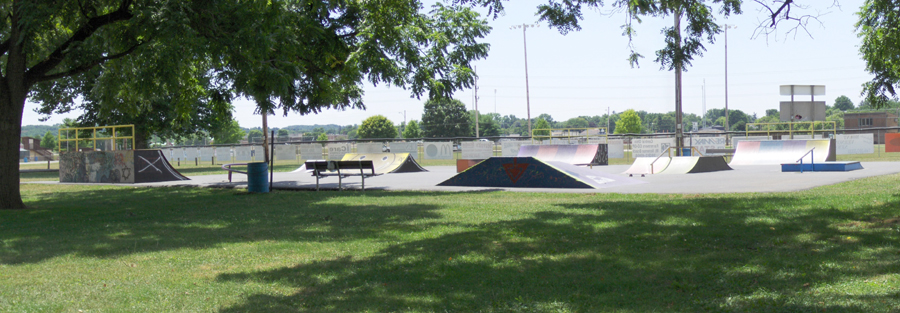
<point x="586" y="72"/>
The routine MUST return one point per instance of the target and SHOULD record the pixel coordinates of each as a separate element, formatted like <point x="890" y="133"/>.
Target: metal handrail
<point x="227" y="167"/>
<point x="804" y="155"/>
<point x="667" y="151"/>
<point x="812" y="159"/>
<point x="657" y="159"/>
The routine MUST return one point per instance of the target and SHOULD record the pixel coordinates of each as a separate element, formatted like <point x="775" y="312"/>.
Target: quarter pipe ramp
<point x="594" y="154"/>
<point x="776" y="152"/>
<point x="152" y="166"/>
<point x="120" y="166"/>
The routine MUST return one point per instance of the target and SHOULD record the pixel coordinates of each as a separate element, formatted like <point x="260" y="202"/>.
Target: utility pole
<point x="525" y="46"/>
<point x="404" y="123"/>
<point x="726" y="79"/>
<point x="703" y="116"/>
<point x="476" y="103"/>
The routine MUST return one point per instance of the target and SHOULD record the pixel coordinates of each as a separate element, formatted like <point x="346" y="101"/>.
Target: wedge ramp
<point x="697" y="164"/>
<point x="642" y="166"/>
<point x="388" y="162"/>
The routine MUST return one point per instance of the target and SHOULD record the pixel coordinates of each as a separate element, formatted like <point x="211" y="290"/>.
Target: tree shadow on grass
<point x="111" y="221"/>
<point x="717" y="254"/>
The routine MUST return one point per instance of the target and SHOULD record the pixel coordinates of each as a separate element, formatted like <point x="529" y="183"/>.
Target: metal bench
<point x="341" y="169"/>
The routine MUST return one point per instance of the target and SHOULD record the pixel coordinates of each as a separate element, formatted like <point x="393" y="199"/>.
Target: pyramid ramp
<point x="529" y="172"/>
<point x="697" y="164"/>
<point x="388" y="162"/>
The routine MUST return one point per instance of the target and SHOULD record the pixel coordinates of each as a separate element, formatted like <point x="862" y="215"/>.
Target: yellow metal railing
<point x="111" y="133"/>
<point x="568" y="133"/>
<point x="791" y="128"/>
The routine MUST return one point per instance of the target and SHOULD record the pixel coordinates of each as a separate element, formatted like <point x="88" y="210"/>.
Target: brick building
<point x="868" y="122"/>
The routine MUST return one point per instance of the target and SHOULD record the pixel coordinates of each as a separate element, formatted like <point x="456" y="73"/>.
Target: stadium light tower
<point x="524" y="27"/>
<point x="726" y="78"/>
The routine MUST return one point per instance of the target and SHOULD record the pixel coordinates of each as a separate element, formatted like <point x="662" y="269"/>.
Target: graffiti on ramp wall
<point x="97" y="167"/>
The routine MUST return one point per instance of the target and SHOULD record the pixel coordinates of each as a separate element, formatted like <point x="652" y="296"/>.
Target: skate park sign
<point x="855" y="144"/>
<point x="650" y="147"/>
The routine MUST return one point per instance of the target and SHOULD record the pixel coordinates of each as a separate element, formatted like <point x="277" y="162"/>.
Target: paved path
<point x="749" y="178"/>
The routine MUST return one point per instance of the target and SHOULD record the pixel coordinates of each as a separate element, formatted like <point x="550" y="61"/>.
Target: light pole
<point x="404" y="123"/>
<point x="726" y="79"/>
<point x="525" y="46"/>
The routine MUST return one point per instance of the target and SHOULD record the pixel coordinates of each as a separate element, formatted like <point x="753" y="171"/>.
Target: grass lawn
<point x="126" y="249"/>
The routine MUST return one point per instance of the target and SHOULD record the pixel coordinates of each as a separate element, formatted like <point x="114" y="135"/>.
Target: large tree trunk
<point x="12" y="104"/>
<point x="141" y="137"/>
<point x="13" y="90"/>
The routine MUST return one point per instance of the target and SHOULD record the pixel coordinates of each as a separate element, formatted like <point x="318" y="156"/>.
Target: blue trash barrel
<point x="685" y="151"/>
<point x="258" y="177"/>
<point x="26" y="159"/>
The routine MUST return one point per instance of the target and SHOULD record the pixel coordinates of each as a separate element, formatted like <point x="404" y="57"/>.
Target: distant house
<point x="333" y="137"/>
<point x="868" y="122"/>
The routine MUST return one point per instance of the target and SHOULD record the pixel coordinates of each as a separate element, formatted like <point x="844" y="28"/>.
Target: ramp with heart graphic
<point x="152" y="166"/>
<point x="529" y="172"/>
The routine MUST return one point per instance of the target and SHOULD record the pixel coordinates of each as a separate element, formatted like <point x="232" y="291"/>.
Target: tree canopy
<point x="377" y="126"/>
<point x="49" y="141"/>
<point x="445" y="118"/>
<point x="880" y="48"/>
<point x="286" y="55"/>
<point x="255" y="136"/>
<point x="541" y="128"/>
<point x="629" y="123"/>
<point x="843" y="103"/>
<point x="231" y="133"/>
<point x="412" y="130"/>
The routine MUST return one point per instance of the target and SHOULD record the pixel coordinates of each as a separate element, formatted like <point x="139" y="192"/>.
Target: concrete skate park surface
<point x="746" y="178"/>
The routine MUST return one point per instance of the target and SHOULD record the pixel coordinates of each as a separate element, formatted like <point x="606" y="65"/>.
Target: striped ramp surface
<point x="593" y="154"/>
<point x="776" y="152"/>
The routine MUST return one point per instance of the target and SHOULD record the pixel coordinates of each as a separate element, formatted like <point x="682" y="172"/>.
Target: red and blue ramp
<point x="594" y="154"/>
<point x="530" y="172"/>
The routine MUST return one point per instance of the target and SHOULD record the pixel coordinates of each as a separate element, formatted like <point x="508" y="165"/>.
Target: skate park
<point x="557" y="160"/>
<point x="674" y="175"/>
